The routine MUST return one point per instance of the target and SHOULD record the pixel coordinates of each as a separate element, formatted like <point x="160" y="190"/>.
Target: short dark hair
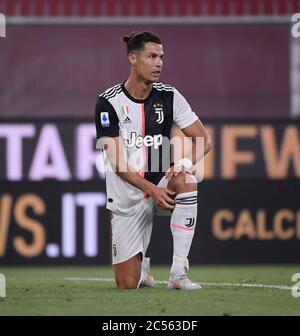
<point x="137" y="41"/>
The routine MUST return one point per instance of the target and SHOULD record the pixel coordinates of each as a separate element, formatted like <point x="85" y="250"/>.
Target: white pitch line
<point x="233" y="284"/>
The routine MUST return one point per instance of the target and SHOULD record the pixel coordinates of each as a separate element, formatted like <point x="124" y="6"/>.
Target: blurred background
<point x="237" y="62"/>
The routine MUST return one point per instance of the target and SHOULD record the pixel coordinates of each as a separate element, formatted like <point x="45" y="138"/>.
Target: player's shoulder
<point x="111" y="92"/>
<point x="163" y="87"/>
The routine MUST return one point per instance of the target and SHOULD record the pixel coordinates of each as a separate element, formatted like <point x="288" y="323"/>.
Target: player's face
<point x="149" y="62"/>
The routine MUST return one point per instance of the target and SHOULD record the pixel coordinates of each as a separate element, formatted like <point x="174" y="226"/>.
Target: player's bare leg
<point x="128" y="273"/>
<point x="183" y="222"/>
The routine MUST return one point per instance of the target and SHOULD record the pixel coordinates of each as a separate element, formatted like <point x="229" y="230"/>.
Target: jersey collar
<point x="139" y="101"/>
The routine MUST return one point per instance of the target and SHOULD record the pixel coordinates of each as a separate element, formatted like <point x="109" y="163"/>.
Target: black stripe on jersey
<point x="163" y="87"/>
<point x="113" y="94"/>
<point x="160" y="87"/>
<point x="164" y="96"/>
<point x="110" y="93"/>
<point x="162" y="84"/>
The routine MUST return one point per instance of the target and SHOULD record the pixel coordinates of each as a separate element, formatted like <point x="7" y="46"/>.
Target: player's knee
<point x="183" y="183"/>
<point x="128" y="282"/>
<point x="127" y="274"/>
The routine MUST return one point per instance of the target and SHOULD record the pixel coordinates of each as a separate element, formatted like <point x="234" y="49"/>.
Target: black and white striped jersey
<point x="145" y="127"/>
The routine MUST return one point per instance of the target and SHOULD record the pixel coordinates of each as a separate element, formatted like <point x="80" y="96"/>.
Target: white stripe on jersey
<point x="163" y="87"/>
<point x="111" y="92"/>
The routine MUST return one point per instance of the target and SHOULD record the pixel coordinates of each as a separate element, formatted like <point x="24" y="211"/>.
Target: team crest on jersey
<point x="158" y="108"/>
<point x="114" y="250"/>
<point x="125" y="111"/>
<point x="104" y="117"/>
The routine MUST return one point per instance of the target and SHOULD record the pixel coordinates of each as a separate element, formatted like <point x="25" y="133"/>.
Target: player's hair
<point x="136" y="41"/>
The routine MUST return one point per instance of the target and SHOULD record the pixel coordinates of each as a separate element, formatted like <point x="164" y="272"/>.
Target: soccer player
<point x="133" y="119"/>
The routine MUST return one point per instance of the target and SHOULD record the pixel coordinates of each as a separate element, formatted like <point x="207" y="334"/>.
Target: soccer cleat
<point x="147" y="280"/>
<point x="182" y="282"/>
<point x="178" y="275"/>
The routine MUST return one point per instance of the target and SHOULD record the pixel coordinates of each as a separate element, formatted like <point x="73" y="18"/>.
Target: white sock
<point x="183" y="223"/>
<point x="145" y="265"/>
<point x="180" y="266"/>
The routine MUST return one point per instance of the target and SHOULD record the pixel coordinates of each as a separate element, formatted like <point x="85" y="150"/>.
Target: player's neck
<point x="138" y="89"/>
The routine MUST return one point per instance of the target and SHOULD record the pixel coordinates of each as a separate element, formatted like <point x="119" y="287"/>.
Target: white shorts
<point x="131" y="234"/>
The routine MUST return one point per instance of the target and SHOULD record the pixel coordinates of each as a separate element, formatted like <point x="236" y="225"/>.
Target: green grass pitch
<point x="227" y="290"/>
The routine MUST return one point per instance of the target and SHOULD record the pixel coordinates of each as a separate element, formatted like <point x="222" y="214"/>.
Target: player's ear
<point x="132" y="59"/>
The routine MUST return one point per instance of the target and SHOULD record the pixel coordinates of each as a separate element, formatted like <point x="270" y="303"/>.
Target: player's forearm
<point x="198" y="152"/>
<point x="201" y="142"/>
<point x="135" y="179"/>
<point x="119" y="164"/>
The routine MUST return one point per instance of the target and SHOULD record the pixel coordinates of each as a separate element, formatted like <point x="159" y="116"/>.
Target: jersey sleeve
<point x="182" y="113"/>
<point x="106" y="119"/>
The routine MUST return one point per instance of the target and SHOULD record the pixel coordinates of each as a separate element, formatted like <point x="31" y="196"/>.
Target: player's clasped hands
<point x="162" y="197"/>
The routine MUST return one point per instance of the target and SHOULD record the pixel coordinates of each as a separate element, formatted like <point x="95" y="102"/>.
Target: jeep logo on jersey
<point x="160" y="113"/>
<point x="148" y="140"/>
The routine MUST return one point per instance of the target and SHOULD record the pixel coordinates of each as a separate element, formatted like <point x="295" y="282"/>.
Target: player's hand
<point x="162" y="197"/>
<point x="176" y="170"/>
